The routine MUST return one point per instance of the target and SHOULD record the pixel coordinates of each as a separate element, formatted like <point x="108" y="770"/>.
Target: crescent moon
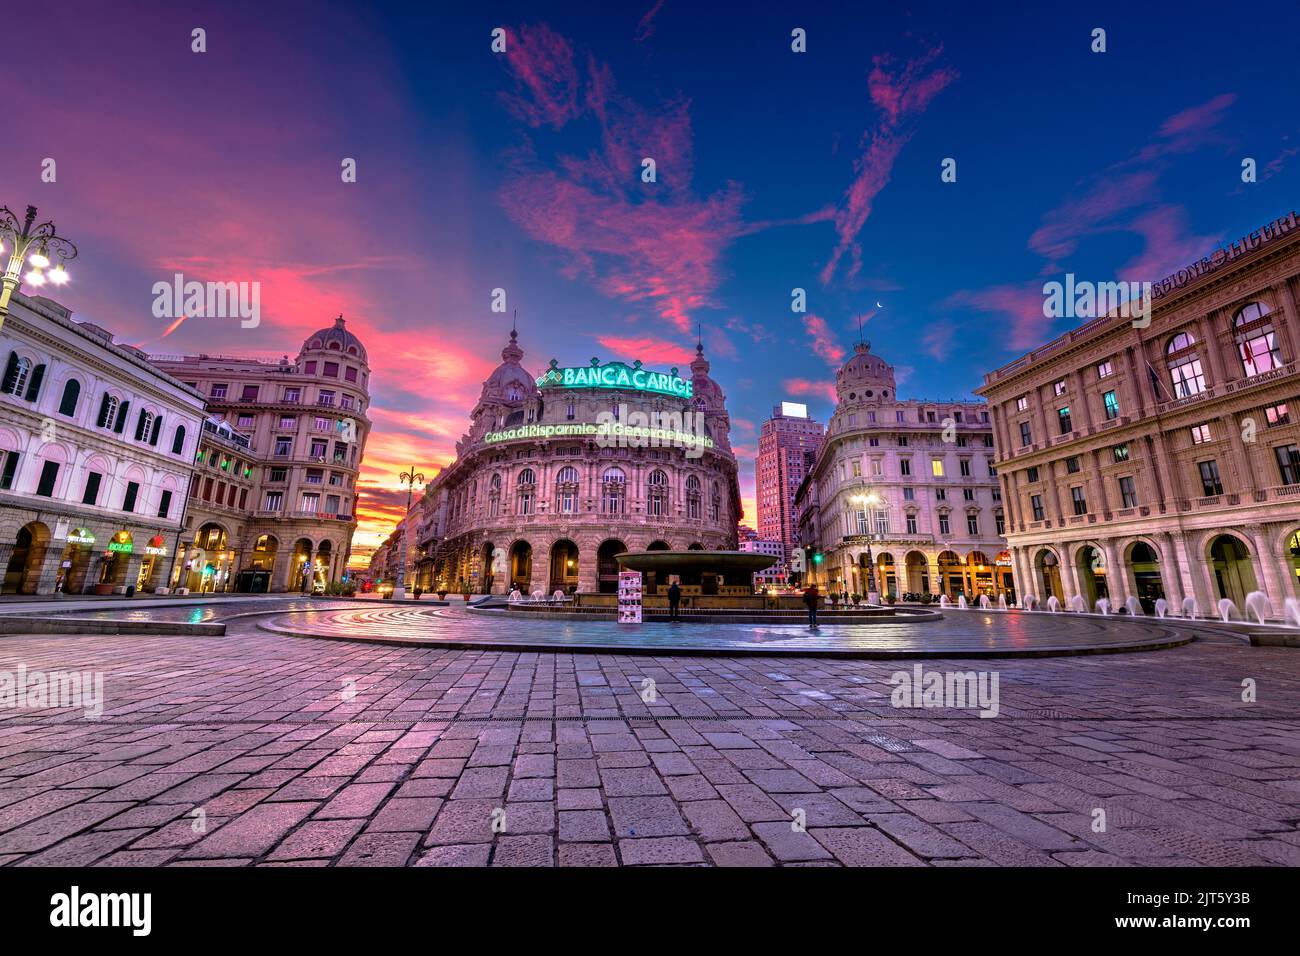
<point x="878" y="305"/>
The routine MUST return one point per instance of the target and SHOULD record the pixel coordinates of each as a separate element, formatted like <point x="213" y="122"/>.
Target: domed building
<point x="560" y="472"/>
<point x="272" y="503"/>
<point x="904" y="495"/>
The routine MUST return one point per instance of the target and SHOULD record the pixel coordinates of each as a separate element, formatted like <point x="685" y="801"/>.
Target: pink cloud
<point x="1022" y="305"/>
<point x="542" y="63"/>
<point x="646" y="28"/>
<point x="803" y="386"/>
<point x="823" y="340"/>
<point x="900" y="96"/>
<point x="649" y="350"/>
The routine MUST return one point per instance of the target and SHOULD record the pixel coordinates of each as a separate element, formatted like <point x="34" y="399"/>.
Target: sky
<point x="775" y="170"/>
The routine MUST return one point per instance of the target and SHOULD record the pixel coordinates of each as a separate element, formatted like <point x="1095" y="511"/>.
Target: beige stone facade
<point x="558" y="505"/>
<point x="1159" y="459"/>
<point x="273" y="502"/>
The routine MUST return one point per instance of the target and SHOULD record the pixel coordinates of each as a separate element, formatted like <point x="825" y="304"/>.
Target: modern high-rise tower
<point x="787" y="448"/>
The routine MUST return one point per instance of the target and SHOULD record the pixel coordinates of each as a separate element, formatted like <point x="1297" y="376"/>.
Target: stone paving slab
<point x="257" y="749"/>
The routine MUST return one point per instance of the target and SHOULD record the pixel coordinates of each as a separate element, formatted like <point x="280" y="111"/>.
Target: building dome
<point x="510" y="382"/>
<point x="336" y="338"/>
<point x="864" y="376"/>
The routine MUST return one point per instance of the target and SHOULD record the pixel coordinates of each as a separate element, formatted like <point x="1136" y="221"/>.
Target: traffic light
<point x="817" y="557"/>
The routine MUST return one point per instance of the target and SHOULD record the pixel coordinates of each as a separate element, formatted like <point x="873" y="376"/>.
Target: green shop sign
<point x="616" y="375"/>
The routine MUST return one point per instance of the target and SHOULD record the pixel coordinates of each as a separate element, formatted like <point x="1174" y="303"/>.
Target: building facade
<point x="1158" y="458"/>
<point x="537" y="483"/>
<point x="788" y="445"/>
<point x="97" y="447"/>
<point x="274" y="499"/>
<point x="905" y="487"/>
<point x="776" y="575"/>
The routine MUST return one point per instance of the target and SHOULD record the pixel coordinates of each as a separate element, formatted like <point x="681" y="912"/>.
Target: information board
<point x="629" y="597"/>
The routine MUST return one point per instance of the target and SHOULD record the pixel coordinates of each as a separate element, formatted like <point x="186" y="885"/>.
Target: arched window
<point x="566" y="490"/>
<point x="178" y="440"/>
<point x="715" y="504"/>
<point x="1256" y="340"/>
<point x="613" y="485"/>
<point x="527" y="485"/>
<point x="1185" y="372"/>
<point x="17" y="373"/>
<point x="514" y="394"/>
<point x="144" y="425"/>
<point x="108" y="409"/>
<point x="657" y="494"/>
<point x="71" y="394"/>
<point x="693" y="504"/>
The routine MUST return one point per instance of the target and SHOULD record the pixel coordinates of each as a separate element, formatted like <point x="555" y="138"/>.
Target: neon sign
<point x="667" y="436"/>
<point x="617" y="375"/>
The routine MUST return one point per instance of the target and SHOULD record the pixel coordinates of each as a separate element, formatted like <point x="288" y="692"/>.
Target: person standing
<point x="674" y="599"/>
<point x="810" y="599"/>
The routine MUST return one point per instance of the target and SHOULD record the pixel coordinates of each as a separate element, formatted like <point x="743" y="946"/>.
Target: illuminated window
<point x="936" y="467"/>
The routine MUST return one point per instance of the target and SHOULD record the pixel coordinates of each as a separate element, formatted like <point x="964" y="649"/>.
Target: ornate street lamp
<point x="408" y="478"/>
<point x="870" y="499"/>
<point x="33" y="245"/>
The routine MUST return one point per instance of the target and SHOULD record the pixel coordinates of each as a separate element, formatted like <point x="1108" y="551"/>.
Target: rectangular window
<point x="279" y="474"/>
<point x="909" y="494"/>
<point x="326" y="397"/>
<point x="1078" y="499"/>
<point x="1022" y="403"/>
<point x="1073" y="465"/>
<point x="309" y="368"/>
<point x="1105" y="370"/>
<point x="132" y="492"/>
<point x="1000" y="523"/>
<point x="282" y="447"/>
<point x="318" y="446"/>
<point x="1201" y="434"/>
<point x="1111" y="404"/>
<point x="1058" y="388"/>
<point x="968" y="494"/>
<point x="288" y="422"/>
<point x="902" y="441"/>
<point x="219" y="391"/>
<point x="1288" y="463"/>
<point x="91" y="495"/>
<point x="331" y="369"/>
<point x="314" y="476"/>
<point x="1127" y="492"/>
<point x="1277" y="415"/>
<point x="973" y="525"/>
<point x="350" y="374"/>
<point x="310" y="502"/>
<point x="292" y="395"/>
<point x="1031" y="473"/>
<point x="1260" y="354"/>
<point x="250" y="393"/>
<point x="1210" y="483"/>
<point x="331" y="504"/>
<point x="936" y="467"/>
<point x="911" y="524"/>
<point x="941" y="494"/>
<point x="945" y="526"/>
<point x="274" y="501"/>
<point x="1063" y="417"/>
<point x="9" y="470"/>
<point x="164" y="504"/>
<point x="904" y="466"/>
<point x="1187" y="378"/>
<point x="49" y="472"/>
<point x="1026" y="436"/>
<point x="1036" y="505"/>
<point x="965" y="467"/>
<point x="1120" y="452"/>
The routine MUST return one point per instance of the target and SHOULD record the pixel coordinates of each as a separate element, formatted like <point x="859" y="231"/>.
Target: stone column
<point x="1024" y="570"/>
<point x="1288" y="329"/>
<point x="1069" y="575"/>
<point x="1171" y="578"/>
<point x="1116" y="574"/>
<point x="1266" y="563"/>
<point x="1196" y="574"/>
<point x="48" y="573"/>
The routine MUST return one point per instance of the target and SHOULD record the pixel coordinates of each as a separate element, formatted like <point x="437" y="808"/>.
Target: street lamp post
<point x="408" y="478"/>
<point x="869" y="499"/>
<point x="17" y="238"/>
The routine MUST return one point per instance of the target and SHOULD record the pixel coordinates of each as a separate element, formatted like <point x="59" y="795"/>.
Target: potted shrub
<point x="855" y="598"/>
<point x="926" y="598"/>
<point x="890" y="598"/>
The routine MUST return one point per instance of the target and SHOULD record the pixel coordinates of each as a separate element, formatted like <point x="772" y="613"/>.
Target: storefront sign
<point x="121" y="547"/>
<point x="664" y="436"/>
<point x="156" y="546"/>
<point x="617" y="375"/>
<point x="629" y="597"/>
<point x="80" y="536"/>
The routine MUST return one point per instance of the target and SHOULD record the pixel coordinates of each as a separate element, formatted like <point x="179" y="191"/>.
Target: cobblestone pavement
<point x="256" y="748"/>
<point x="958" y="632"/>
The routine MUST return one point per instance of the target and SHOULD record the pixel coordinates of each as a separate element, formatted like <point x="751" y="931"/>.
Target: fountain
<point x="1292" y="611"/>
<point x="1161" y="607"/>
<point x="558" y="595"/>
<point x="1053" y="604"/>
<point x="943" y="601"/>
<point x="961" y="601"/>
<point x="1103" y="605"/>
<point x="538" y="595"/>
<point x="1227" y="610"/>
<point x="1257" y="603"/>
<point x="1077" y="603"/>
<point x="515" y="596"/>
<point x="1190" y="608"/>
<point x="1002" y="602"/>
<point x="985" y="603"/>
<point x="1134" y="606"/>
<point x="1031" y="602"/>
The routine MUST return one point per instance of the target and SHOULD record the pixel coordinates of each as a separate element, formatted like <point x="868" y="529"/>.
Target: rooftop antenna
<point x="859" y="328"/>
<point x="699" y="336"/>
<point x="514" y="322"/>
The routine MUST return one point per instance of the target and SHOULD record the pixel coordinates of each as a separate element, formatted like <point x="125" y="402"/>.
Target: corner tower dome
<point x="335" y="338"/>
<point x="510" y="382"/>
<point x="864" y="377"/>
